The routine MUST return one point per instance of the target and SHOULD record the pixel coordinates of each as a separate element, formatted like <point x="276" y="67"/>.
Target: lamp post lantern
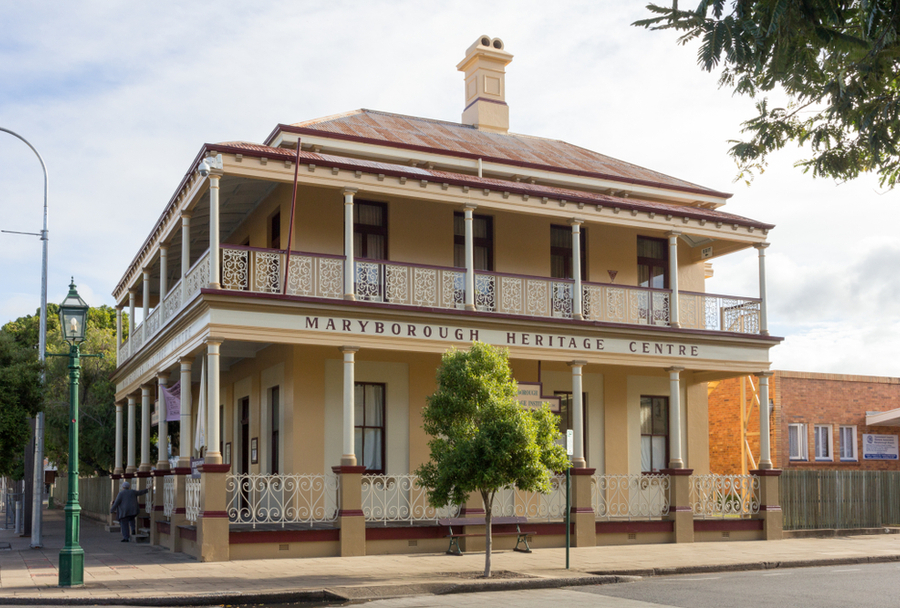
<point x="73" y="320"/>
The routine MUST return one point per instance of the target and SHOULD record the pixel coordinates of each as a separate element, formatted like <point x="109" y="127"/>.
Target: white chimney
<point x="485" y="71"/>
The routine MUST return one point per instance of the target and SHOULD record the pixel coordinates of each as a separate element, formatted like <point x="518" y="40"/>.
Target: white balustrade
<point x="399" y="498"/>
<point x="724" y="496"/>
<point x="630" y="497"/>
<point x="137" y="340"/>
<point x="197" y="277"/>
<point x="191" y="499"/>
<point x="512" y="502"/>
<point x="172" y="303"/>
<point x="282" y="499"/>
<point x="718" y="313"/>
<point x="168" y="495"/>
<point x="152" y="324"/>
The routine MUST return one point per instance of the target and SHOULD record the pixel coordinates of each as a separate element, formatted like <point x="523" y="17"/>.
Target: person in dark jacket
<point x="125" y="506"/>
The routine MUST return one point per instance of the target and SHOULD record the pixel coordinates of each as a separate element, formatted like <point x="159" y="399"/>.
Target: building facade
<point x="301" y="292"/>
<point x="817" y="421"/>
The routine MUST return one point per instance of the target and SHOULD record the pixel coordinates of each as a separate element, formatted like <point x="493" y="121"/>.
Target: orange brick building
<point x="817" y="421"/>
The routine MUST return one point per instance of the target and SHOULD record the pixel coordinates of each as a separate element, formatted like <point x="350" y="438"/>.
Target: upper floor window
<point x="561" y="266"/>
<point x="797" y="442"/>
<point x="824" y="442"/>
<point x="370" y="230"/>
<point x="847" y="437"/>
<point x="653" y="262"/>
<point x="482" y="241"/>
<point x="368" y="402"/>
<point x="654" y="433"/>
<point x="275" y="231"/>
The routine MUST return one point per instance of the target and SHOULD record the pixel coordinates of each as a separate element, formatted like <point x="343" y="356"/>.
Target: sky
<point x="119" y="98"/>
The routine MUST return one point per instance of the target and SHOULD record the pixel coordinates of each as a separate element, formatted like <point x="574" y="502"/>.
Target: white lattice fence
<point x="636" y="496"/>
<point x="168" y="495"/>
<point x="512" y="502"/>
<point x="723" y="496"/>
<point x="282" y="499"/>
<point x="191" y="499"/>
<point x="399" y="498"/>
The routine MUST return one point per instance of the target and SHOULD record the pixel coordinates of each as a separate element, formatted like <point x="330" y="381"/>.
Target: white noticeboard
<point x="570" y="442"/>
<point x="880" y="447"/>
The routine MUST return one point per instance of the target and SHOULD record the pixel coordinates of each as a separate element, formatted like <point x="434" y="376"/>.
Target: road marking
<point x="778" y="574"/>
<point x="690" y="580"/>
<point x="852" y="570"/>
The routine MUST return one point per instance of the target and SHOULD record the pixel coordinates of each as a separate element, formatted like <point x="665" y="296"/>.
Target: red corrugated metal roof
<point x="497" y="185"/>
<point x="457" y="139"/>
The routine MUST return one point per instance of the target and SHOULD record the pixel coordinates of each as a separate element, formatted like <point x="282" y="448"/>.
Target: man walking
<point x="125" y="506"/>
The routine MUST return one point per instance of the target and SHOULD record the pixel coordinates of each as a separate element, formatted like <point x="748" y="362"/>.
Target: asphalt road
<point x="863" y="586"/>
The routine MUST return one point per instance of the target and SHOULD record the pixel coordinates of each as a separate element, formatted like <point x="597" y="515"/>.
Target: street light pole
<point x="38" y="485"/>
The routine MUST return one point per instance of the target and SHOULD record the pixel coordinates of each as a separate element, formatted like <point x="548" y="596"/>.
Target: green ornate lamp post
<point x="73" y="319"/>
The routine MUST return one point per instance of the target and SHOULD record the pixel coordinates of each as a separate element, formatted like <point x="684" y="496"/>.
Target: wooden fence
<point x="817" y="500"/>
<point x="94" y="496"/>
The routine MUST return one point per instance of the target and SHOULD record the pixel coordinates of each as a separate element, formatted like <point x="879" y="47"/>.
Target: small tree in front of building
<point x="481" y="439"/>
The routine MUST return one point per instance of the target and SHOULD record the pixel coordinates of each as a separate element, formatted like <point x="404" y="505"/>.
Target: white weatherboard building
<point x="301" y="291"/>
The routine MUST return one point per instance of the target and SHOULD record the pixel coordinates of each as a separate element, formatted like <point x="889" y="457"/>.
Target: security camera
<point x="203" y="168"/>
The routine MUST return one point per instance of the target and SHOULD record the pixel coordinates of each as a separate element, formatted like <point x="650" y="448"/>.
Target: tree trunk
<point x="488" y="500"/>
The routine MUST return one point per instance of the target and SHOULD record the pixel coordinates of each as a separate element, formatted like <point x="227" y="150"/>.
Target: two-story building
<point x="301" y="292"/>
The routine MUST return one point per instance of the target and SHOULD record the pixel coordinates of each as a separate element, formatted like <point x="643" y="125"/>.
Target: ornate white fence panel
<point x="399" y="498"/>
<point x="152" y="324"/>
<point x="172" y="303"/>
<point x="267" y="271"/>
<point x="718" y="313"/>
<point x="282" y="499"/>
<point x="168" y="495"/>
<point x="721" y="496"/>
<point x="235" y="269"/>
<point x="191" y="499"/>
<point x="316" y="276"/>
<point x="630" y="497"/>
<point x="197" y="277"/>
<point x="511" y="502"/>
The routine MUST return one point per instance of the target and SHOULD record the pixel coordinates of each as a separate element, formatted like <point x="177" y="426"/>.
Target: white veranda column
<point x="163" y="274"/>
<point x="213" y="454"/>
<point x="349" y="272"/>
<point x="185" y="252"/>
<point x="145" y="429"/>
<point x="118" y="332"/>
<point x="577" y="312"/>
<point x="118" y="470"/>
<point x="348" y="459"/>
<point x="763" y="306"/>
<point x="163" y="442"/>
<point x="673" y="279"/>
<point x="146" y="301"/>
<point x="470" y="256"/>
<point x="675" y="457"/>
<point x="765" y="452"/>
<point x="131" y="322"/>
<point x="214" y="231"/>
<point x="578" y="460"/>
<point x="185" y="434"/>
<point x="132" y="429"/>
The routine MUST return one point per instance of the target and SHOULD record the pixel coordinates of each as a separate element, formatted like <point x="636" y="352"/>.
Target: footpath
<point x="137" y="574"/>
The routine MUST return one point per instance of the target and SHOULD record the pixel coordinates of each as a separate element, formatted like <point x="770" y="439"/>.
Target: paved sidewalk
<point x="120" y="573"/>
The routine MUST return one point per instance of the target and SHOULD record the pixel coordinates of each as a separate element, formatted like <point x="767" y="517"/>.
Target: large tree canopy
<point x="20" y="399"/>
<point x="481" y="439"/>
<point x="838" y="62"/>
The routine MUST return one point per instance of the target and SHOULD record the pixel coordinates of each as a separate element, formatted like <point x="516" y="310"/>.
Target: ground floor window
<point x="369" y="430"/>
<point x="797" y="441"/>
<point x="847" y="437"/>
<point x="567" y="420"/>
<point x="824" y="442"/>
<point x="654" y="433"/>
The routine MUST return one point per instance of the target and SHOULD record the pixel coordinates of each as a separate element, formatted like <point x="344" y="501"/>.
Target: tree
<point x="838" y="62"/>
<point x="96" y="391"/>
<point x="481" y="439"/>
<point x="20" y="400"/>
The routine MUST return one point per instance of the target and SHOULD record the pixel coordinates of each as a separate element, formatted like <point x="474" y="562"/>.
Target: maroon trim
<point x="677" y="472"/>
<point x="115" y="476"/>
<point x="163" y="527"/>
<point x="470" y="511"/>
<point x="359" y="470"/>
<point x="680" y="510"/>
<point x="351" y="513"/>
<point x="767" y="472"/>
<point x="770" y="508"/>
<point x="159" y="508"/>
<point x="246" y="537"/>
<point x="473" y="156"/>
<point x="215" y="468"/>
<point x="576" y="510"/>
<point x="143" y="474"/>
<point x="721" y="525"/>
<point x="181" y="471"/>
<point x="128" y="476"/>
<point x="581" y="471"/>
<point x="187" y="532"/>
<point x="633" y="527"/>
<point x="180" y="511"/>
<point x="496" y="101"/>
<point x="493" y="315"/>
<point x="214" y="514"/>
<point x="161" y="472"/>
<point x="406" y="533"/>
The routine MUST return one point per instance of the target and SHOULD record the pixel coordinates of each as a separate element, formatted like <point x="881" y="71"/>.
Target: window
<point x="824" y="442"/>
<point x="847" y="437"/>
<point x="245" y="434"/>
<point x="369" y="431"/>
<point x="370" y="230"/>
<point x="566" y="419"/>
<point x="797" y="441"/>
<point x="653" y="262"/>
<point x="654" y="433"/>
<point x="275" y="425"/>
<point x="561" y="252"/>
<point x="482" y="241"/>
<point x="275" y="231"/>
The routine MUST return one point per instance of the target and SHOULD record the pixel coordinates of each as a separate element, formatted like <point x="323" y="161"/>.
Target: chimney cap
<point x="487" y="47"/>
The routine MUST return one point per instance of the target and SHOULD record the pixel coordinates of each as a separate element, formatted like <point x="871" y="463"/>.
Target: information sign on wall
<point x="880" y="447"/>
<point x="530" y="398"/>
